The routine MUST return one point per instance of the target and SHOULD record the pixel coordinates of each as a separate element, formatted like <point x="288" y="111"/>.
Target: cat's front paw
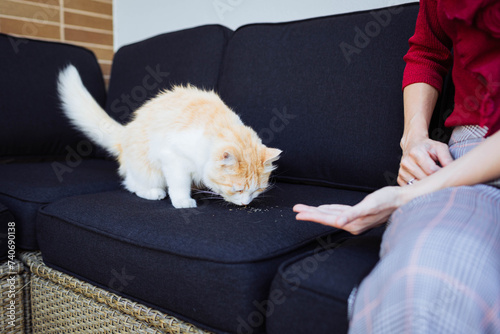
<point x="184" y="203"/>
<point x="152" y="194"/>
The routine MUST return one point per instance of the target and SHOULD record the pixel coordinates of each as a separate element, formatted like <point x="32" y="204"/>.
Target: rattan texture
<point x="61" y="303"/>
<point x="12" y="282"/>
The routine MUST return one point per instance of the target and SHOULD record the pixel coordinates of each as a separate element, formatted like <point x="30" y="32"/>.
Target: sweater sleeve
<point x="429" y="57"/>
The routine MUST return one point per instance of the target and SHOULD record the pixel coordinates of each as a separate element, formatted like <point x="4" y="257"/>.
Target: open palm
<point x="372" y="211"/>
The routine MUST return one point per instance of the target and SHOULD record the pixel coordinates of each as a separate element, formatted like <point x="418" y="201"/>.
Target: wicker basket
<point x="61" y="303"/>
<point x="13" y="317"/>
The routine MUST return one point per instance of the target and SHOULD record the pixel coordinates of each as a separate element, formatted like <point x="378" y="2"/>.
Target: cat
<point x="181" y="137"/>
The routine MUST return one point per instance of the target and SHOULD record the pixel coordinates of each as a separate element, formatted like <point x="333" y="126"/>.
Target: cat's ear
<point x="271" y="155"/>
<point x="226" y="159"/>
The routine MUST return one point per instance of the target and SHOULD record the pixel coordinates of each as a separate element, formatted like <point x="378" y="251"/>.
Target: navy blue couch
<point x="326" y="91"/>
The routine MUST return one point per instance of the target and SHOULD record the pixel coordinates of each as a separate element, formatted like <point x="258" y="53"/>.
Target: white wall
<point x="135" y="20"/>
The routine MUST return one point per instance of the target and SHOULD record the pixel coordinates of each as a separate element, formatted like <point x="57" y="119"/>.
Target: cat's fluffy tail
<point x="85" y="113"/>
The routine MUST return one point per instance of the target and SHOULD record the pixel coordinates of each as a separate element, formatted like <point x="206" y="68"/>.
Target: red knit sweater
<point x="472" y="29"/>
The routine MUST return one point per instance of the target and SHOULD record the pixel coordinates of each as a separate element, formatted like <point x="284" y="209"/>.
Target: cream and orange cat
<point x="181" y="137"/>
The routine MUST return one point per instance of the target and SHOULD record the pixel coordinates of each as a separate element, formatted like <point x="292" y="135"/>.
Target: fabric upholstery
<point x="314" y="287"/>
<point x="25" y="187"/>
<point x="326" y="91"/>
<point x="209" y="265"/>
<point x="142" y="69"/>
<point x="32" y="122"/>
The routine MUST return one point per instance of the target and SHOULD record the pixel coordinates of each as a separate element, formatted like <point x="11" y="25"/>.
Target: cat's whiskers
<point x="213" y="198"/>
<point x="199" y="191"/>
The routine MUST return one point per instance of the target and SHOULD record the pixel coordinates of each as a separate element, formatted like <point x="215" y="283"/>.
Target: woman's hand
<point x="421" y="155"/>
<point x="480" y="165"/>
<point x="421" y="158"/>
<point x="372" y="211"/>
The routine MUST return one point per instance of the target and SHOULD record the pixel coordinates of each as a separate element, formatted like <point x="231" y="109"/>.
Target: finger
<point x="332" y="210"/>
<point x="334" y="206"/>
<point x="411" y="167"/>
<point x="428" y="166"/>
<point x="443" y="155"/>
<point x="317" y="217"/>
<point x="326" y="208"/>
<point x="365" y="223"/>
<point x="301" y="208"/>
<point x="404" y="177"/>
<point x="425" y="164"/>
<point x="402" y="182"/>
<point x="364" y="208"/>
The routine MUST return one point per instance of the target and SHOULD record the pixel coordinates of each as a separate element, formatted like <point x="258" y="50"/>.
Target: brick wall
<point x="88" y="23"/>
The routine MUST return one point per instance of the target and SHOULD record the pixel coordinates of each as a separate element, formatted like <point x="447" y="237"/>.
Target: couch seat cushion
<point x="25" y="187"/>
<point x="5" y="219"/>
<point x="314" y="287"/>
<point x="208" y="265"/>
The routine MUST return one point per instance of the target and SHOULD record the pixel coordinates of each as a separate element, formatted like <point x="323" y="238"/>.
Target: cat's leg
<point x="145" y="184"/>
<point x="179" y="186"/>
<point x="152" y="193"/>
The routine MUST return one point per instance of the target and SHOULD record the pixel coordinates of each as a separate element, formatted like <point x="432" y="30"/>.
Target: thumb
<point x="351" y="214"/>
<point x="443" y="155"/>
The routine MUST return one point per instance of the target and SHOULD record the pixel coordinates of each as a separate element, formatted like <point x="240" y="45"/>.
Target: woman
<point x="439" y="270"/>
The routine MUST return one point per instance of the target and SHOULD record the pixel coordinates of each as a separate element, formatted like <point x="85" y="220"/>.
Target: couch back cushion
<point x="141" y="69"/>
<point x="326" y="91"/>
<point x="32" y="123"/>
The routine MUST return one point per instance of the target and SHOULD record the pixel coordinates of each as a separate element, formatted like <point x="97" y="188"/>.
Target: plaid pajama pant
<point x="439" y="270"/>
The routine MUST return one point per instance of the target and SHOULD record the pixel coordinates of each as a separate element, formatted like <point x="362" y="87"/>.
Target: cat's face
<point x="239" y="175"/>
